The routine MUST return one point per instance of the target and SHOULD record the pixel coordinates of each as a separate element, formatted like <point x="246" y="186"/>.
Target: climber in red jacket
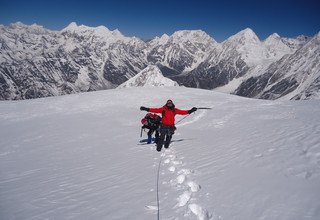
<point x="167" y="127"/>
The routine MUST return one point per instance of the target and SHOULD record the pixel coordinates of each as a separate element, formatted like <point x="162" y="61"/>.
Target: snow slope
<point x="79" y="157"/>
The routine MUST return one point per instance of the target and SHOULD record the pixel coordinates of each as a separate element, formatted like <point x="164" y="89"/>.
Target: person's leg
<point x="149" y="136"/>
<point x="161" y="139"/>
<point x="168" y="141"/>
<point x="169" y="137"/>
<point x="157" y="136"/>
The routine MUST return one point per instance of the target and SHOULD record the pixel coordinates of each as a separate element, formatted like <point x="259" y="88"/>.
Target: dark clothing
<point x="166" y="133"/>
<point x="151" y="122"/>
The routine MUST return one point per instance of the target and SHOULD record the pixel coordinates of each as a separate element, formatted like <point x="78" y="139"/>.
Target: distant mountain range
<point x="37" y="62"/>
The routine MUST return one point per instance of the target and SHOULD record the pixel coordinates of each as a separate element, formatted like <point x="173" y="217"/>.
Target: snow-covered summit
<point x="244" y="36"/>
<point x="276" y="46"/>
<point x="159" y="40"/>
<point x="192" y="36"/>
<point x="100" y="31"/>
<point x="21" y="28"/>
<point x="255" y="52"/>
<point x="148" y="77"/>
<point x="247" y="44"/>
<point x="272" y="37"/>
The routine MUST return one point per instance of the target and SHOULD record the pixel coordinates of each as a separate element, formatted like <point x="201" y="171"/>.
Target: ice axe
<point x="204" y="108"/>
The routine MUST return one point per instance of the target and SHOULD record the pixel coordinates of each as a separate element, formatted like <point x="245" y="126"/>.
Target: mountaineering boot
<point x="149" y="139"/>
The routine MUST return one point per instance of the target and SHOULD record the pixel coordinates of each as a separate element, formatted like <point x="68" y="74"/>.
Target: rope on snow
<point x="158" y="186"/>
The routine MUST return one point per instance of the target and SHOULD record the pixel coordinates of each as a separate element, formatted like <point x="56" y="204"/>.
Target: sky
<point x="147" y="18"/>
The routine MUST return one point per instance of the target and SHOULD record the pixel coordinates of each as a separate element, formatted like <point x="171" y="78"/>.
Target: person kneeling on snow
<point x="167" y="127"/>
<point x="151" y="122"/>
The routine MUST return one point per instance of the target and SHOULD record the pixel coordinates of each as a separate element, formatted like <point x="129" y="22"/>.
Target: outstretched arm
<point x="181" y="112"/>
<point x="185" y="112"/>
<point x="153" y="110"/>
<point x="156" y="110"/>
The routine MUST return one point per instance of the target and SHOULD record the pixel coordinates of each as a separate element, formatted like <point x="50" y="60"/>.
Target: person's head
<point x="170" y="104"/>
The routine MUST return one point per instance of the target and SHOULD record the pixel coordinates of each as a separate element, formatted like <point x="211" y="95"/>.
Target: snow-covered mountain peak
<point x="276" y="47"/>
<point x="18" y="25"/>
<point x="272" y="40"/>
<point x="71" y="27"/>
<point x="101" y="32"/>
<point x="149" y="77"/>
<point x="246" y="35"/>
<point x="159" y="40"/>
<point x="116" y="32"/>
<point x="273" y="37"/>
<point x="34" y="28"/>
<point x="247" y="45"/>
<point x="163" y="39"/>
<point x="103" y="29"/>
<point x="191" y="35"/>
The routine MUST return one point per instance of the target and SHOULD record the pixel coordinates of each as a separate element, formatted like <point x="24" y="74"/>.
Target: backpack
<point x="151" y="120"/>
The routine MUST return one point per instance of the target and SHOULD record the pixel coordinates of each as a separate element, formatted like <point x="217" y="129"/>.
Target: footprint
<point x="176" y="162"/>
<point x="200" y="212"/>
<point x="172" y="169"/>
<point x="185" y="171"/>
<point x="167" y="161"/>
<point x="181" y="178"/>
<point x="184" y="198"/>
<point x="151" y="207"/>
<point x="194" y="187"/>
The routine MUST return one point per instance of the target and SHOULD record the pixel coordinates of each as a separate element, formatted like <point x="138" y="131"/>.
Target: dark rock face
<point x="282" y="88"/>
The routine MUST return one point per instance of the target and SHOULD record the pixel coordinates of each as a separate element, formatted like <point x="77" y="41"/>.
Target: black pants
<point x="166" y="133"/>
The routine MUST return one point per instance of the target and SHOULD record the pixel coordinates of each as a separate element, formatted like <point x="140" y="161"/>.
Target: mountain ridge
<point x="38" y="62"/>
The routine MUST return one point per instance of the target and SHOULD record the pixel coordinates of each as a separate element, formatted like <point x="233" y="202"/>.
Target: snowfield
<point x="79" y="157"/>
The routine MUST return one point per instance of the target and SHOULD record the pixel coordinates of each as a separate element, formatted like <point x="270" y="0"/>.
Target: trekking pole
<point x="141" y="132"/>
<point x="182" y="119"/>
<point x="204" y="108"/>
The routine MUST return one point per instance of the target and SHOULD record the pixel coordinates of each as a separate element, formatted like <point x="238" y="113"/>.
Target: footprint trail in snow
<point x="182" y="180"/>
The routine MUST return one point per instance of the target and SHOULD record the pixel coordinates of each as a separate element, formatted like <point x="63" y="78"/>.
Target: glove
<point x="142" y="108"/>
<point x="192" y="110"/>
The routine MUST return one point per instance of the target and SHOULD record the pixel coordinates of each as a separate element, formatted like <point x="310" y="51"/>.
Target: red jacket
<point x="168" y="114"/>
